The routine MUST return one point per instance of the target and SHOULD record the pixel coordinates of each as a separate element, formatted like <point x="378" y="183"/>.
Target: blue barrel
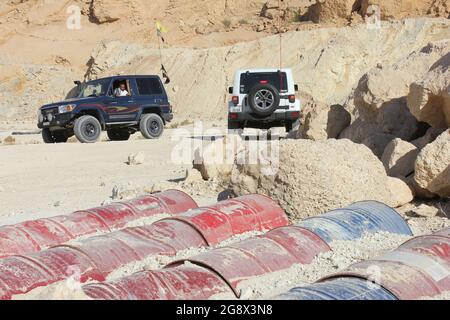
<point x="353" y="221"/>
<point x="339" y="289"/>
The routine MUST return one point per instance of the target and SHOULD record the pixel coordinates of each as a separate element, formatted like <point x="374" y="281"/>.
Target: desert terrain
<point x="375" y="120"/>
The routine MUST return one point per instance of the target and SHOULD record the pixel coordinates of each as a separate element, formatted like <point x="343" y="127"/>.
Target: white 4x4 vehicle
<point x="263" y="99"/>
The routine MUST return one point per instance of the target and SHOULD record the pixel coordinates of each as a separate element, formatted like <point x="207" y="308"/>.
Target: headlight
<point x="66" y="108"/>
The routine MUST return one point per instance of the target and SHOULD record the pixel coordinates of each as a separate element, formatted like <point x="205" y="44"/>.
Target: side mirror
<point x="78" y="83"/>
<point x="296" y="87"/>
<point x="230" y="90"/>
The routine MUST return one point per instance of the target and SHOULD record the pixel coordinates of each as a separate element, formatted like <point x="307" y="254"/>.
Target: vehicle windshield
<point x="95" y="88"/>
<point x="249" y="80"/>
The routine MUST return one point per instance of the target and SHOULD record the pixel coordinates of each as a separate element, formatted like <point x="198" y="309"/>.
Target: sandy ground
<point x="38" y="180"/>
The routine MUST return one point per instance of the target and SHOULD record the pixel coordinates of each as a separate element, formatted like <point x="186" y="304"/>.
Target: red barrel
<point x="182" y="283"/>
<point x="33" y="236"/>
<point x="21" y="274"/>
<point x="236" y="216"/>
<point x="419" y="268"/>
<point x="109" y="252"/>
<point x="278" y="250"/>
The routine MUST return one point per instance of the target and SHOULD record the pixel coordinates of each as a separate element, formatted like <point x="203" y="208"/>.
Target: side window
<point x="121" y="88"/>
<point x="149" y="86"/>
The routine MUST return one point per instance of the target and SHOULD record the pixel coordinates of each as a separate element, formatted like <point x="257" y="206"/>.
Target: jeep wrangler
<point x="263" y="99"/>
<point x="100" y="105"/>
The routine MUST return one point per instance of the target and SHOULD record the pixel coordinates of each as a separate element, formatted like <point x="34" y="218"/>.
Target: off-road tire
<point x="87" y="129"/>
<point x="264" y="99"/>
<point x="151" y="126"/>
<point x="59" y="136"/>
<point x="118" y="134"/>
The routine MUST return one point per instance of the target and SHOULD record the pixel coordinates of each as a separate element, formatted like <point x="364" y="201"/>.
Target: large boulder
<point x="399" y="158"/>
<point x="321" y="121"/>
<point x="379" y="102"/>
<point x="432" y="170"/>
<point x="215" y="161"/>
<point x="429" y="98"/>
<point x="378" y="142"/>
<point x="310" y="178"/>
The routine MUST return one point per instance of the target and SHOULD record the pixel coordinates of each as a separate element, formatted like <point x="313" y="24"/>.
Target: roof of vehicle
<point x="261" y="70"/>
<point x="128" y="76"/>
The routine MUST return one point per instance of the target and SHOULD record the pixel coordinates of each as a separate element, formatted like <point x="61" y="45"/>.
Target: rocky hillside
<point x="206" y="42"/>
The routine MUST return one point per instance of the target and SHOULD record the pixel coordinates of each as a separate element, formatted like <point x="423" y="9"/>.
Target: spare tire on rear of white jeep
<point x="264" y="99"/>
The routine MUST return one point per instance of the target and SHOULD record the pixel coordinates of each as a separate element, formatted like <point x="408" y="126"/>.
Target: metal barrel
<point x="33" y="236"/>
<point x="111" y="251"/>
<point x="339" y="289"/>
<point x="418" y="268"/>
<point x="353" y="221"/>
<point x="235" y="216"/>
<point x="278" y="250"/>
<point x="183" y="283"/>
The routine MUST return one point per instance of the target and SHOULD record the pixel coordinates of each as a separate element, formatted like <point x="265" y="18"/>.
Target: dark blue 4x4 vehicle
<point x="120" y="105"/>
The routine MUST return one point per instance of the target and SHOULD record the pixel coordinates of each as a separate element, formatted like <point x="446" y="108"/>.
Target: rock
<point x="160" y="187"/>
<point x="378" y="142"/>
<point x="321" y="122"/>
<point x="136" y="159"/>
<point x="429" y="137"/>
<point x="399" y="158"/>
<point x="417" y="190"/>
<point x="381" y="105"/>
<point x="310" y="178"/>
<point x="216" y="160"/>
<point x="429" y="98"/>
<point x="400" y="192"/>
<point x="9" y="141"/>
<point x="426" y="211"/>
<point x="101" y="11"/>
<point x="432" y="170"/>
<point x="330" y="11"/>
<point x="193" y="175"/>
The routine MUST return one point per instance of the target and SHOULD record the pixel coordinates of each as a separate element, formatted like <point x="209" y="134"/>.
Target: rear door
<point x="151" y="93"/>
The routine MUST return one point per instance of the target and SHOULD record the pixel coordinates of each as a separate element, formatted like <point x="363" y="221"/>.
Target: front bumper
<point x="55" y="120"/>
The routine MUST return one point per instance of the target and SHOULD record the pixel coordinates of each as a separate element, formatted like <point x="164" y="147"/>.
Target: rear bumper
<point x="275" y="119"/>
<point x="168" y="117"/>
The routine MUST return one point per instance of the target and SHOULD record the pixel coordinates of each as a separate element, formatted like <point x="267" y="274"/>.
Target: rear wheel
<point x="59" y="136"/>
<point x="151" y="126"/>
<point x="87" y="129"/>
<point x="118" y="134"/>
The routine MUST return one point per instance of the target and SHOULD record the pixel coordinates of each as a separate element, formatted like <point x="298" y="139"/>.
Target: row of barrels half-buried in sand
<point x="420" y="268"/>
<point x="96" y="257"/>
<point x="36" y="235"/>
<point x="219" y="272"/>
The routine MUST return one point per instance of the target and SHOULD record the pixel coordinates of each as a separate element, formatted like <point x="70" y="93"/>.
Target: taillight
<point x="295" y="115"/>
<point x="263" y="82"/>
<point x="292" y="98"/>
<point x="235" y="100"/>
<point x="233" y="116"/>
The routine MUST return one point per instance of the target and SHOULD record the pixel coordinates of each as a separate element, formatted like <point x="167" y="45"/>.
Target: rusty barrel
<point x="352" y="222"/>
<point x="33" y="236"/>
<point x="339" y="289"/>
<point x="108" y="252"/>
<point x="419" y="268"/>
<point x="184" y="283"/>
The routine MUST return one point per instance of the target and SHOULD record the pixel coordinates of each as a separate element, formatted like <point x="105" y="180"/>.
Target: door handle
<point x="113" y="102"/>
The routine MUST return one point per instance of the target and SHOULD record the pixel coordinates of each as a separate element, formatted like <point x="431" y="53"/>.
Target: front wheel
<point x="59" y="136"/>
<point x="87" y="129"/>
<point x="118" y="134"/>
<point x="151" y="126"/>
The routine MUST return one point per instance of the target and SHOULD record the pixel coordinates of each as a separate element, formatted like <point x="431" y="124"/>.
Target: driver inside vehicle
<point x="121" y="91"/>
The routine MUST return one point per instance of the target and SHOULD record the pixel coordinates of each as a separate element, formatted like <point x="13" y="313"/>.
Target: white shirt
<point x="120" y="93"/>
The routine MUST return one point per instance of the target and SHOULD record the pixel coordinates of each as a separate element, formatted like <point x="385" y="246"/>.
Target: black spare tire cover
<point x="264" y="99"/>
